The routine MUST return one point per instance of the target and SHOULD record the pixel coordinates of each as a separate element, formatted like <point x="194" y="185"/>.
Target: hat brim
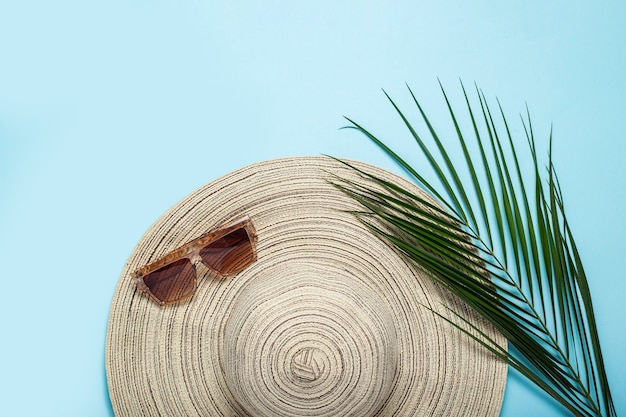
<point x="172" y="361"/>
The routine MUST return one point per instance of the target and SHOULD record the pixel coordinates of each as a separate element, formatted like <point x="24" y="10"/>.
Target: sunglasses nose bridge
<point x="195" y="259"/>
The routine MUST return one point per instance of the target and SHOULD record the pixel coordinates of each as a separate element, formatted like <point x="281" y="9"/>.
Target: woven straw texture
<point x="329" y="321"/>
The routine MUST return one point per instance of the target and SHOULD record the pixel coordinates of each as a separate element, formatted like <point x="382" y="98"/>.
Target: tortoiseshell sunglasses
<point x="225" y="251"/>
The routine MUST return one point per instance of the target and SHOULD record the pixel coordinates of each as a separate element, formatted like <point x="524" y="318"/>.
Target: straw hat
<point x="329" y="321"/>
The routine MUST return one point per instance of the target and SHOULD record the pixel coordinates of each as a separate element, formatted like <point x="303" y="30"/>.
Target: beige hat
<point x="329" y="321"/>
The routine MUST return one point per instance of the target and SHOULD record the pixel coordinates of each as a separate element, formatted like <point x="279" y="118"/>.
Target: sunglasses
<point x="225" y="251"/>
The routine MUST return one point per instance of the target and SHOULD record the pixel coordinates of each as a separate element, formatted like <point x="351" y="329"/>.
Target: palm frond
<point x="496" y="218"/>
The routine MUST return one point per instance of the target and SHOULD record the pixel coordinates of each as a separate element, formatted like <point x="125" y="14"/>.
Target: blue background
<point x="112" y="111"/>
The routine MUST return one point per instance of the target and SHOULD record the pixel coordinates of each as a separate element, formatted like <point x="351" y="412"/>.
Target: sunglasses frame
<point x="191" y="250"/>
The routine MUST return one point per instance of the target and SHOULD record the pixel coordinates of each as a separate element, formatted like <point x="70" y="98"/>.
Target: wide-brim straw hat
<point x="329" y="321"/>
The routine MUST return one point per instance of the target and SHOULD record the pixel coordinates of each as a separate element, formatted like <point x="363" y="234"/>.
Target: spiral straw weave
<point x="328" y="322"/>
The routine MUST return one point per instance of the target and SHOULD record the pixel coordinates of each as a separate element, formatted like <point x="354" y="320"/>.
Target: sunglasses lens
<point x="229" y="254"/>
<point x="173" y="282"/>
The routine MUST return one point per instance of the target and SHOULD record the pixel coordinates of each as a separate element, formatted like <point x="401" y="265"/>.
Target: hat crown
<point x="309" y="345"/>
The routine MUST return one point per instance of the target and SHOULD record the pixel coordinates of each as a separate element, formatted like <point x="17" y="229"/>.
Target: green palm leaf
<point x="506" y="223"/>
